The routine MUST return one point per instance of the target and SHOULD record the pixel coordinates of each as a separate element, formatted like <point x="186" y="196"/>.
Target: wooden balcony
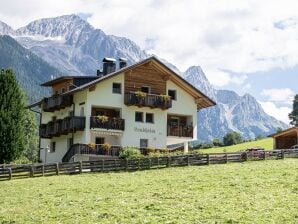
<point x="180" y="131"/>
<point x="76" y="149"/>
<point x="148" y="100"/>
<point x="109" y="123"/>
<point x="57" y="102"/>
<point x="62" y="127"/>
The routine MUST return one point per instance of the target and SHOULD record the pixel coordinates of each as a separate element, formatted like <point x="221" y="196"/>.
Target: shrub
<point x="232" y="138"/>
<point x="150" y="150"/>
<point x="129" y="152"/>
<point x="165" y="150"/>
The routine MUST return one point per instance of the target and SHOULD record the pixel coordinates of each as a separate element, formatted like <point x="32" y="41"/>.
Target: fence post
<point x="9" y="173"/>
<point x="102" y="165"/>
<point x="245" y="156"/>
<point x="57" y="169"/>
<point x="188" y="160"/>
<point x="126" y="164"/>
<point x="42" y="169"/>
<point x="139" y="163"/>
<point x="208" y="159"/>
<point x="31" y="171"/>
<point x="264" y="156"/>
<point x="169" y="161"/>
<point x="149" y="162"/>
<point x="282" y="154"/>
<point x="226" y="155"/>
<point x="81" y="167"/>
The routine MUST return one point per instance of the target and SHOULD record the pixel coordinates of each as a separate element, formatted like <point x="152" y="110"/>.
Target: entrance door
<point x="143" y="143"/>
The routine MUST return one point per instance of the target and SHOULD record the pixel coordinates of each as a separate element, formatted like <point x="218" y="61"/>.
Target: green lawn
<point x="251" y="192"/>
<point x="266" y="143"/>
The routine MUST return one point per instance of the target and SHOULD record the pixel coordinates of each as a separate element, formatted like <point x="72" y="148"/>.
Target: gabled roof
<point x="63" y="78"/>
<point x="202" y="100"/>
<point x="284" y="132"/>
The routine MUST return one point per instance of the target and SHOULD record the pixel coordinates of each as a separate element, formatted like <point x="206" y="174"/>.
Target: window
<point x="82" y="112"/>
<point x="99" y="140"/>
<point x="139" y="116"/>
<point x="117" y="88"/>
<point x="173" y="94"/>
<point x="53" y="147"/>
<point x="149" y="118"/>
<point x="143" y="143"/>
<point x="145" y="89"/>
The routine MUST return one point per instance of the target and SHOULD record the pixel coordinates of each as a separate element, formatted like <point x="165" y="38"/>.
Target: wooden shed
<point x="285" y="139"/>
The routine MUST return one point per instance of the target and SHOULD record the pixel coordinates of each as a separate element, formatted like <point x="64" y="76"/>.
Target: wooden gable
<point x="146" y="75"/>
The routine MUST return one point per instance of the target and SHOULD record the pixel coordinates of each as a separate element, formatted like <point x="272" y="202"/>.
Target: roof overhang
<point x="201" y="99"/>
<point x="286" y="132"/>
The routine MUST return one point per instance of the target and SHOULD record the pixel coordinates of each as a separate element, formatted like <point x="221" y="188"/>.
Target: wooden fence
<point x="8" y="172"/>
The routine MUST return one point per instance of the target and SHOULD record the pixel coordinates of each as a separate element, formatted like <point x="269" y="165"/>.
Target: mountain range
<point x="69" y="45"/>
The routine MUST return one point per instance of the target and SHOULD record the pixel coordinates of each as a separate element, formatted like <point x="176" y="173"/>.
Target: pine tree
<point x="12" y="117"/>
<point x="293" y="116"/>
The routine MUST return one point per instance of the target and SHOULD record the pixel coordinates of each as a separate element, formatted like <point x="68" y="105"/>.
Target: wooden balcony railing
<point x="62" y="127"/>
<point x="110" y="123"/>
<point x="76" y="149"/>
<point x="180" y="131"/>
<point x="148" y="100"/>
<point x="57" y="102"/>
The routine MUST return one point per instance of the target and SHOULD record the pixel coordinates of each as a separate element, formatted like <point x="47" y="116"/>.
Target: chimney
<point x="109" y="65"/>
<point x="99" y="73"/>
<point x="122" y="62"/>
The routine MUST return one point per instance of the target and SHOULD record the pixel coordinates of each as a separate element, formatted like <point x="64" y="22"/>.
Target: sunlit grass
<point x="266" y="143"/>
<point x="251" y="192"/>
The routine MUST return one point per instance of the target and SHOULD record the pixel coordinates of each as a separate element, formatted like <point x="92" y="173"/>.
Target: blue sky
<point x="247" y="46"/>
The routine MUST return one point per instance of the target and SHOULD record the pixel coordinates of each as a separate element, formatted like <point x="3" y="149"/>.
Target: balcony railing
<point x="180" y="131"/>
<point x="85" y="149"/>
<point x="62" y="127"/>
<point x="57" y="102"/>
<point x="110" y="123"/>
<point x="148" y="100"/>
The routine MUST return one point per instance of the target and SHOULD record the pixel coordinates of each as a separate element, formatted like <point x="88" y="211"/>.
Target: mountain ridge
<point x="73" y="46"/>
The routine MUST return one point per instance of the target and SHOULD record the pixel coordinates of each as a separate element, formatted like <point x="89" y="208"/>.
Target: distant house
<point x="285" y="139"/>
<point x="142" y="105"/>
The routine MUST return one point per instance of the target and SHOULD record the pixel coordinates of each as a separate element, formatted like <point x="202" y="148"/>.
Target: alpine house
<point x="143" y="105"/>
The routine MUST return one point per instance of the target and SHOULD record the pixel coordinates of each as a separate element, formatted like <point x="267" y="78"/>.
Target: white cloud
<point x="279" y="95"/>
<point x="280" y="113"/>
<point x="237" y="36"/>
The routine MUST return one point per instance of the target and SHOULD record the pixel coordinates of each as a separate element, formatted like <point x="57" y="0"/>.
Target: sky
<point x="246" y="46"/>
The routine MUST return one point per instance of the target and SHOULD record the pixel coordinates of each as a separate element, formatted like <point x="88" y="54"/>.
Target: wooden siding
<point x="146" y="75"/>
<point x="59" y="86"/>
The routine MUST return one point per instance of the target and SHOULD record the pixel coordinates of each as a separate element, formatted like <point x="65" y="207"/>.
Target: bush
<point x="232" y="138"/>
<point x="130" y="152"/>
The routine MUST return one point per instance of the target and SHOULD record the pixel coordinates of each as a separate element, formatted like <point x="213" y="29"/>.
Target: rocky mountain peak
<point x="69" y="28"/>
<point x="197" y="78"/>
<point x="5" y="29"/>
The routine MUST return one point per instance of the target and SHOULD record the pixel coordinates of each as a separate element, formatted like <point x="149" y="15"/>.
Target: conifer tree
<point x="293" y="116"/>
<point x="12" y="117"/>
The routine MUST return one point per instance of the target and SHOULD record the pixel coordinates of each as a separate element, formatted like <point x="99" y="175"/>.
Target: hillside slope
<point x="30" y="70"/>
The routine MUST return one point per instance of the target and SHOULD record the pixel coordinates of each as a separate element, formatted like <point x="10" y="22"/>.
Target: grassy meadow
<point x="266" y="143"/>
<point x="251" y="192"/>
